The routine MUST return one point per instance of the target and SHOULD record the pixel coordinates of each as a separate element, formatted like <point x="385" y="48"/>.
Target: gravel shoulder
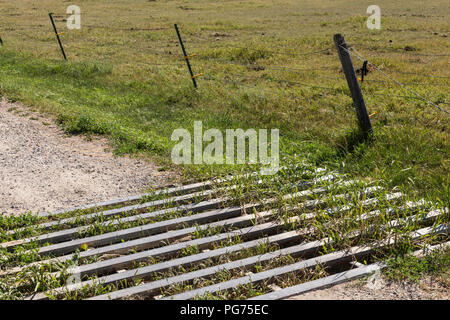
<point x="43" y="169"/>
<point x="428" y="288"/>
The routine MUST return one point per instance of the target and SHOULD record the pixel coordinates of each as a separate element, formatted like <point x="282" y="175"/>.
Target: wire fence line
<point x="240" y="82"/>
<point x="125" y="29"/>
<point x="402" y="96"/>
<point x="410" y="83"/>
<point x="322" y="70"/>
<point x="336" y="90"/>
<point x="262" y="67"/>
<point x="360" y="57"/>
<point x="133" y="28"/>
<point x="293" y="54"/>
<point x="428" y="54"/>
<point x="259" y="67"/>
<point x="237" y="76"/>
<point x="422" y="74"/>
<point x="157" y="29"/>
<point x="140" y="28"/>
<point x="406" y="51"/>
<point x="61" y="17"/>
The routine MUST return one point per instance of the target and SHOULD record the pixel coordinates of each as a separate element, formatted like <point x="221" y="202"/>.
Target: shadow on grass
<point x="354" y="140"/>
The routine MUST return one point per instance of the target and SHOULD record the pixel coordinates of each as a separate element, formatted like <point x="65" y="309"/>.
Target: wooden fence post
<point x="355" y="89"/>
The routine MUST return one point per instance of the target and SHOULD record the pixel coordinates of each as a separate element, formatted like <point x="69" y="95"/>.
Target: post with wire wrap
<point x="355" y="89"/>
<point x="186" y="57"/>
<point x="57" y="35"/>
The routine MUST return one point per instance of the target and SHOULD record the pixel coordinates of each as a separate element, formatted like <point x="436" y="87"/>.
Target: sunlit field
<point x="265" y="64"/>
<point x="259" y="64"/>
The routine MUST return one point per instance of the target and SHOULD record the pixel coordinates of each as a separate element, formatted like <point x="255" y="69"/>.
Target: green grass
<point x="114" y="83"/>
<point x="133" y="87"/>
<point x="414" y="268"/>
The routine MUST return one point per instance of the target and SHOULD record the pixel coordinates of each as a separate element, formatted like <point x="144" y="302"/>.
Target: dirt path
<point x="428" y="288"/>
<point x="42" y="169"/>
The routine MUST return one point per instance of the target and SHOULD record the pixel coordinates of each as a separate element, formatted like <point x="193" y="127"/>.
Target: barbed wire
<point x="275" y="67"/>
<point x="307" y="85"/>
<point x="150" y="50"/>
<point x="276" y="51"/>
<point x="410" y="83"/>
<point x="256" y="66"/>
<point x="425" y="54"/>
<point x="90" y="27"/>
<point x="412" y="15"/>
<point x="359" y="56"/>
<point x="405" y="52"/>
<point x="422" y="74"/>
<point x="302" y="71"/>
<point x="425" y="75"/>
<point x="401" y="96"/>
<point x="123" y="29"/>
<point x="284" y="81"/>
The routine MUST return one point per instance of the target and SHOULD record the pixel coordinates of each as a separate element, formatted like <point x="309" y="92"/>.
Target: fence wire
<point x="360" y="57"/>
<point x="170" y="51"/>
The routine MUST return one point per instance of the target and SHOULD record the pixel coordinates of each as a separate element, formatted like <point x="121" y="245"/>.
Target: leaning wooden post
<point x="186" y="57"/>
<point x="57" y="35"/>
<point x="355" y="89"/>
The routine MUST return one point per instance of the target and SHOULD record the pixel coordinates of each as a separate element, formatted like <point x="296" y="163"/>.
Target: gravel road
<point x="42" y="169"/>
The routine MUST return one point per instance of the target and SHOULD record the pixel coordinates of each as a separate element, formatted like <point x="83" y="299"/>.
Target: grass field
<point x="132" y="84"/>
<point x="266" y="64"/>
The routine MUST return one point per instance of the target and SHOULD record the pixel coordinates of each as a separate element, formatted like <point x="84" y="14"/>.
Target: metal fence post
<point x="57" y="35"/>
<point x="186" y="57"/>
